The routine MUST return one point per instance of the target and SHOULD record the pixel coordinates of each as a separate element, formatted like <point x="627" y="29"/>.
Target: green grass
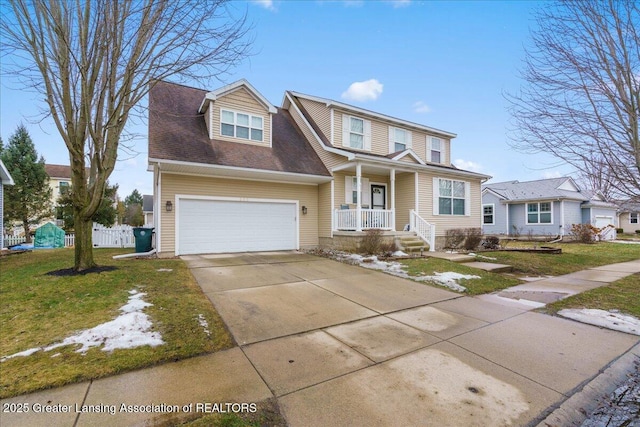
<point x="622" y="295"/>
<point x="574" y="257"/>
<point x="488" y="282"/>
<point x="38" y="310"/>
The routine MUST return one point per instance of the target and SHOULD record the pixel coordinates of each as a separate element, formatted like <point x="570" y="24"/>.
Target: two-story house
<point x="233" y="173"/>
<point x="60" y="183"/>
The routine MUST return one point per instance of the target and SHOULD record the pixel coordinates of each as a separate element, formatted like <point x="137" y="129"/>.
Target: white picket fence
<point x="69" y="240"/>
<point x="120" y="236"/>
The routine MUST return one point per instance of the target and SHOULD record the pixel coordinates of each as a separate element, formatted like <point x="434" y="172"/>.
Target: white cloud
<point x="421" y="107"/>
<point x="368" y="90"/>
<point x="267" y="4"/>
<point x="400" y="3"/>
<point x="467" y="165"/>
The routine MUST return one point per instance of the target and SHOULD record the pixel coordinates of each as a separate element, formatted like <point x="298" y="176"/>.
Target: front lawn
<point x="574" y="257"/>
<point x="39" y="310"/>
<point x="622" y="295"/>
<point x="488" y="282"/>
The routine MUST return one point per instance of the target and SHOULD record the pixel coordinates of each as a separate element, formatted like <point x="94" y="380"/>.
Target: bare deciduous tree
<point x="94" y="61"/>
<point x="581" y="98"/>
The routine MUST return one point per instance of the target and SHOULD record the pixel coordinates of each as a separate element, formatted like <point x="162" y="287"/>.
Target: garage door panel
<point x="214" y="226"/>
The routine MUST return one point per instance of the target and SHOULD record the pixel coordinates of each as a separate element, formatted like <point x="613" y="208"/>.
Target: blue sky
<point x="444" y="64"/>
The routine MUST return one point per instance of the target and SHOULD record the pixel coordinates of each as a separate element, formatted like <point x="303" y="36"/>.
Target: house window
<point x="354" y="189"/>
<point x="356" y="132"/>
<point x="487" y="214"/>
<point x="436" y="150"/>
<point x="241" y="125"/>
<point x="451" y="197"/>
<point x="539" y="213"/>
<point x="400" y="139"/>
<point x="64" y="187"/>
<point x="633" y="218"/>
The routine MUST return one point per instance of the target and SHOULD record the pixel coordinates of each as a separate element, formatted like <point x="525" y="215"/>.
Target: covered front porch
<point x="373" y="195"/>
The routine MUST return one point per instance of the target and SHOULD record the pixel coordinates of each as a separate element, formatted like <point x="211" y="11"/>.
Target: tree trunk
<point x="27" y="231"/>
<point x="83" y="243"/>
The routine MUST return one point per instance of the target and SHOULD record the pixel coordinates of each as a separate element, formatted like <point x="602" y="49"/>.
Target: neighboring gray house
<point x="5" y="179"/>
<point x="546" y="207"/>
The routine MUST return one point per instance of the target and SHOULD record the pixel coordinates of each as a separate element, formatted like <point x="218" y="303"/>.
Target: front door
<point x="378" y="196"/>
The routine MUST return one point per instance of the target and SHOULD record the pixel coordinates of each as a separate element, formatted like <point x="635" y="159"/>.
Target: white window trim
<point x="526" y="213"/>
<point x="493" y="214"/>
<point x="637" y="214"/>
<point x="235" y="124"/>
<point x="392" y="139"/>
<point x="346" y="131"/>
<point x="436" y="197"/>
<point x="365" y="189"/>
<point x="430" y="149"/>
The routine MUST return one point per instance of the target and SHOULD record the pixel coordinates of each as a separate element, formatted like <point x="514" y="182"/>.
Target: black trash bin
<point x="143" y="238"/>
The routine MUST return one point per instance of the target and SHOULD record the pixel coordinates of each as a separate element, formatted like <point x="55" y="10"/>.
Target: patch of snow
<point x="485" y="257"/>
<point x="130" y="329"/>
<point x="165" y="269"/>
<point x="605" y="319"/>
<point x="448" y="279"/>
<point x="399" y="253"/>
<point x="205" y="325"/>
<point x="629" y="242"/>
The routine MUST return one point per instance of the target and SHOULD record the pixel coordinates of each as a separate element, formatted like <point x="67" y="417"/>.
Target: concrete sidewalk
<point x="342" y="345"/>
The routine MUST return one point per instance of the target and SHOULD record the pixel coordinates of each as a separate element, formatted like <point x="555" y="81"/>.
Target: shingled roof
<point x="178" y="132"/>
<point x="58" y="171"/>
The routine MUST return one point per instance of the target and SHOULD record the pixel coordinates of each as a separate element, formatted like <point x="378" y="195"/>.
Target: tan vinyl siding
<point x="405" y="198"/>
<point x="380" y="137"/>
<point x="320" y="114"/>
<point x="408" y="159"/>
<point x="330" y="160"/>
<point x="324" y="210"/>
<point x="241" y="101"/>
<point x="339" y="179"/>
<point x="173" y="184"/>
<point x="445" y="222"/>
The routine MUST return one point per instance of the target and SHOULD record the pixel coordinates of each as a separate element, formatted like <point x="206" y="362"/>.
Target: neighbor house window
<point x="487" y="214"/>
<point x="633" y="218"/>
<point x="451" y="197"/>
<point x="400" y="139"/>
<point x="539" y="213"/>
<point x="436" y="150"/>
<point x="64" y="187"/>
<point x="241" y="125"/>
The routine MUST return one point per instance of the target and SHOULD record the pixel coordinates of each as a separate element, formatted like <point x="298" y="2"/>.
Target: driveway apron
<point x="343" y="345"/>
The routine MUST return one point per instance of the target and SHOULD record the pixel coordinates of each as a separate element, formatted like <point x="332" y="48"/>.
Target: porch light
<point x="168" y="206"/>
<point x="304" y="210"/>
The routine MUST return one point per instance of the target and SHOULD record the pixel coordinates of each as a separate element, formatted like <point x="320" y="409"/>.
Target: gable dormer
<point x="569" y="185"/>
<point x="238" y="113"/>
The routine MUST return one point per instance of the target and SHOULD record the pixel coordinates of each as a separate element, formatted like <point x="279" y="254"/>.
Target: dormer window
<point x="241" y="125"/>
<point x="436" y="150"/>
<point x="356" y="133"/>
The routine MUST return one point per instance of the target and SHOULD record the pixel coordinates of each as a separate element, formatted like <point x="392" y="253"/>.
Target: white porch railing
<point x="347" y="219"/>
<point x="423" y="229"/>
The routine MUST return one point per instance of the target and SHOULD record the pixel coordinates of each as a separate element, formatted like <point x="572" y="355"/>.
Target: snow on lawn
<point x="447" y="279"/>
<point x="605" y="319"/>
<point x="130" y="329"/>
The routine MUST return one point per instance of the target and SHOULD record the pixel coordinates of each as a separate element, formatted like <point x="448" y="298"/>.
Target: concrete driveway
<point x="342" y="345"/>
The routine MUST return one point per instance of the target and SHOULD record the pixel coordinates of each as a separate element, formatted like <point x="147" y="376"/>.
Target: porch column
<point x="392" y="178"/>
<point x="359" y="197"/>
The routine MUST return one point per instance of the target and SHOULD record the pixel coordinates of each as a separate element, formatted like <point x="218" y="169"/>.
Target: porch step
<point x="410" y="244"/>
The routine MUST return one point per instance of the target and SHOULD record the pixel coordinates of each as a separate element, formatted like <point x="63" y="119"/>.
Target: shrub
<point x="637" y="231"/>
<point x="372" y="241"/>
<point x="491" y="242"/>
<point x="619" y="230"/>
<point x="473" y="238"/>
<point x="584" y="233"/>
<point x="453" y="238"/>
<point x="388" y="248"/>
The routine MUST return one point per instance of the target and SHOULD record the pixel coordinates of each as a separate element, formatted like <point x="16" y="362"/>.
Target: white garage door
<point x="216" y="226"/>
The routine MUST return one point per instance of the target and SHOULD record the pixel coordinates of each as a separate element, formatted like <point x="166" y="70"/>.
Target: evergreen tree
<point x="29" y="200"/>
<point x="105" y="215"/>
